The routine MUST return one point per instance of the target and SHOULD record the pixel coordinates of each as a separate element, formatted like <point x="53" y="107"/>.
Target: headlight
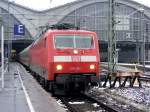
<point x="59" y="67"/>
<point x="75" y="51"/>
<point x="92" y="67"/>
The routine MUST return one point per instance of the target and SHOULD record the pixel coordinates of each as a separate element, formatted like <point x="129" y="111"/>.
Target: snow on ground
<point x="139" y="95"/>
<point x="95" y="105"/>
<point x="77" y="102"/>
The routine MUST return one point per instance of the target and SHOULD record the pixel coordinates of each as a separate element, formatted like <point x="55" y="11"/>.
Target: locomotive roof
<point x="72" y="30"/>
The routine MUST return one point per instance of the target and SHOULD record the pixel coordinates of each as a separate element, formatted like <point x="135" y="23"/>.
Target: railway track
<point x="129" y="66"/>
<point x="84" y="103"/>
<point x="145" y="78"/>
<point x="118" y="104"/>
<point x="93" y="103"/>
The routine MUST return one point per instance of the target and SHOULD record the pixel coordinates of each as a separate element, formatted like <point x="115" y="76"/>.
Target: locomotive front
<point x="75" y="58"/>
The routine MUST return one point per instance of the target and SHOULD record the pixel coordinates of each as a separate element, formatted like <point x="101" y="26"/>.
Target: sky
<point x="46" y="4"/>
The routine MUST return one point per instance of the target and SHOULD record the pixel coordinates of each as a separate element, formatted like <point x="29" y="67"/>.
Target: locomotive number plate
<point x="76" y="58"/>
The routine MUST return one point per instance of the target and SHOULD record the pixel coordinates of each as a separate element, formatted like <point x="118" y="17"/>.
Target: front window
<point x="73" y="41"/>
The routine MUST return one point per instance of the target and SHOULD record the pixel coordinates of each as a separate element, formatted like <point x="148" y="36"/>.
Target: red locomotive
<point x="67" y="59"/>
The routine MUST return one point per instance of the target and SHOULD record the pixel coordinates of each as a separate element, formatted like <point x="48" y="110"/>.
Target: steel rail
<point x="73" y="108"/>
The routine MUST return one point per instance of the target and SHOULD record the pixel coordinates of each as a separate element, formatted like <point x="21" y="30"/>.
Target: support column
<point x="137" y="52"/>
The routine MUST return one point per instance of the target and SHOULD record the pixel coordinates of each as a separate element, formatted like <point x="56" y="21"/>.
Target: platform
<point x="23" y="94"/>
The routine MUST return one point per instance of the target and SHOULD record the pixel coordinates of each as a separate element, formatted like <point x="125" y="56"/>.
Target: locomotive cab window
<point x="84" y="42"/>
<point x="63" y="42"/>
<point x="73" y="41"/>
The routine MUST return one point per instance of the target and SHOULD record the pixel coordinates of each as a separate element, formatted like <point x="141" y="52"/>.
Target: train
<point x="13" y="55"/>
<point x="66" y="59"/>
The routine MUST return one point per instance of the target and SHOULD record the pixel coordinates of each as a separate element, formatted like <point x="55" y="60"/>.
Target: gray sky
<point x="45" y="4"/>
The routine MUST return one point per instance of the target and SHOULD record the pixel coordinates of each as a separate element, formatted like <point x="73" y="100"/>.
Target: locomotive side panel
<point x="50" y="53"/>
<point x="98" y="54"/>
<point x="39" y="58"/>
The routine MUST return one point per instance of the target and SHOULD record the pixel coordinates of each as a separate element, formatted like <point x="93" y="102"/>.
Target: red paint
<point x="41" y="55"/>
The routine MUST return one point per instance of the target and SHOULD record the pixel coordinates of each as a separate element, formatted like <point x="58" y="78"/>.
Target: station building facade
<point x="132" y="27"/>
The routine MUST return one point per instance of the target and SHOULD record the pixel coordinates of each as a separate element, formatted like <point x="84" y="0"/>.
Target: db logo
<point x="76" y="58"/>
